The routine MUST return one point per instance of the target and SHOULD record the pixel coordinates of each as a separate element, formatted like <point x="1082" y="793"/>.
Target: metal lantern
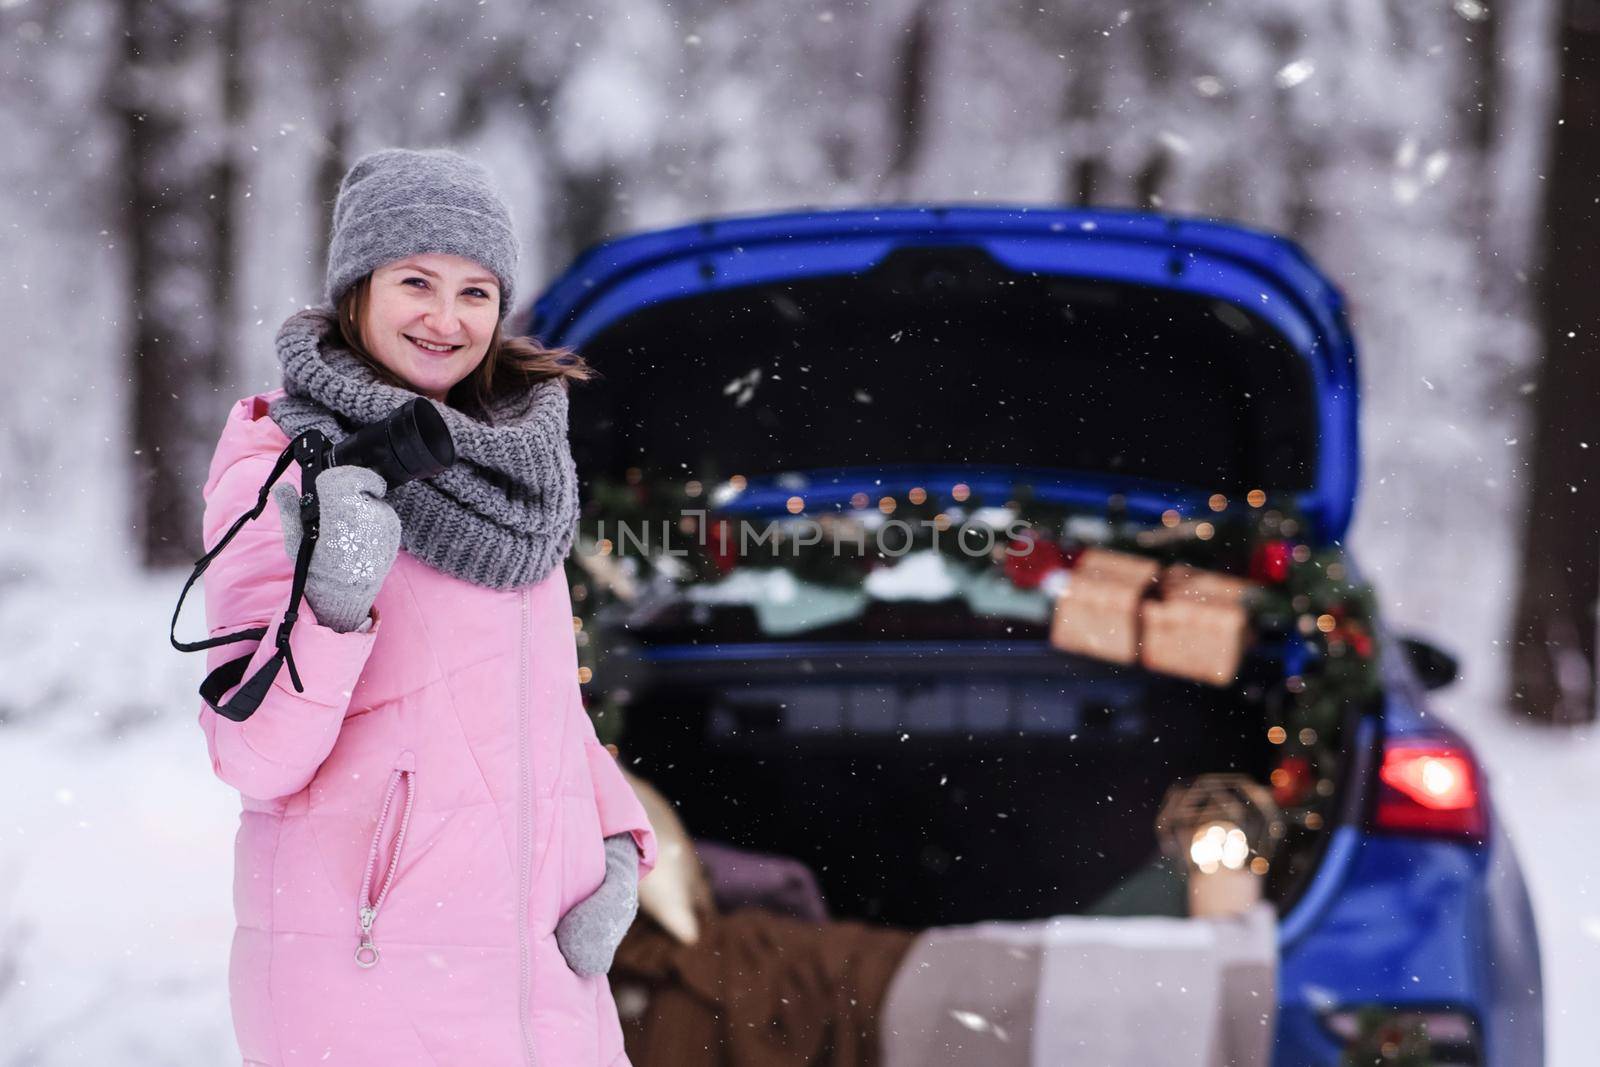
<point x="1225" y="829"/>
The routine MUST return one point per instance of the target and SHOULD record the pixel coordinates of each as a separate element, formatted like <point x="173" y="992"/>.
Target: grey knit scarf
<point x="503" y="516"/>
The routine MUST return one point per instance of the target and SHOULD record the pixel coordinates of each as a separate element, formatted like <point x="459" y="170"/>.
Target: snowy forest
<point x="165" y="203"/>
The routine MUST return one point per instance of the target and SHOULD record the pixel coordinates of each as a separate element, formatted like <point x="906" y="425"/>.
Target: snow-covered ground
<point x="116" y="840"/>
<point x="1543" y="783"/>
<point x="116" y="843"/>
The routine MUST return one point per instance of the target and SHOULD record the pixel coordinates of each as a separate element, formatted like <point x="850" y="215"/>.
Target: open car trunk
<point x="937" y="784"/>
<point x="949" y="777"/>
<point x="937" y="788"/>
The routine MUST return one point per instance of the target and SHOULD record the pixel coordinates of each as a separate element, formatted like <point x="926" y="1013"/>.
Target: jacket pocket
<point x="403" y="776"/>
<point x="583" y="851"/>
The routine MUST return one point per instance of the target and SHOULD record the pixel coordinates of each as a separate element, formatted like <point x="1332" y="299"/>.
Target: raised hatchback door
<point x="1103" y="349"/>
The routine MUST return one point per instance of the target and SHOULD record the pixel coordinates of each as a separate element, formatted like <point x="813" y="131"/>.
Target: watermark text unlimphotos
<point x="775" y="536"/>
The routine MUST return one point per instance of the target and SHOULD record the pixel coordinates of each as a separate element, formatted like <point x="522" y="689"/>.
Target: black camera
<point x="410" y="442"/>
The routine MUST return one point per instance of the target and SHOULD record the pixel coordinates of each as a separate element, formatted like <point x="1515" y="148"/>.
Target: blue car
<point x="1096" y="355"/>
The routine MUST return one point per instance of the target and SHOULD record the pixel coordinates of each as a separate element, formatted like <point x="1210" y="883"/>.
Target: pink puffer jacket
<point x="440" y="768"/>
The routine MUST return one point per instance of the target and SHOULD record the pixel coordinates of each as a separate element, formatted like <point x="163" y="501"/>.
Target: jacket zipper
<point x="524" y="844"/>
<point x="366" y="907"/>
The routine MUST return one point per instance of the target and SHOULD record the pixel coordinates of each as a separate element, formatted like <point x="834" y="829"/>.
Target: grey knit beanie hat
<point x="398" y="202"/>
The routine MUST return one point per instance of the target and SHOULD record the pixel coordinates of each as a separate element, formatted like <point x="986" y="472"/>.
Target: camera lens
<point x="421" y="440"/>
<point x="412" y="442"/>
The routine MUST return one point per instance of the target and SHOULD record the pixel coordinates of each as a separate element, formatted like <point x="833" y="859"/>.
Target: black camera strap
<point x="225" y="677"/>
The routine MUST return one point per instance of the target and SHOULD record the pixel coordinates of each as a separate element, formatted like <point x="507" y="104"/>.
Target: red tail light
<point x="1430" y="787"/>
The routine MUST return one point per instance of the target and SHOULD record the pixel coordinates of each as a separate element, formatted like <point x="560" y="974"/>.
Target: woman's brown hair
<point x="509" y="365"/>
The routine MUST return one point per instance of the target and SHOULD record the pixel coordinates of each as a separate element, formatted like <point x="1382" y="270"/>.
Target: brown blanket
<point x="757" y="990"/>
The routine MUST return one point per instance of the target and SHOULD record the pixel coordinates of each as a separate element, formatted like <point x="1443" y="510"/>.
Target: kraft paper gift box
<point x="1199" y="629"/>
<point x="1180" y="580"/>
<point x="1097" y="614"/>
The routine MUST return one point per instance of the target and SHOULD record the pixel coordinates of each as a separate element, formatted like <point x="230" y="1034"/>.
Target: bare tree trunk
<point x="229" y="171"/>
<point x="177" y="253"/>
<point x="1553" y="647"/>
<point x="1085" y="177"/>
<point x="334" y="55"/>
<point x="585" y="207"/>
<point x="331" y="166"/>
<point x="910" y="103"/>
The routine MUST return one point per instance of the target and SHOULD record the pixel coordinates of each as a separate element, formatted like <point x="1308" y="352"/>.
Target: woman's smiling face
<point x="430" y="318"/>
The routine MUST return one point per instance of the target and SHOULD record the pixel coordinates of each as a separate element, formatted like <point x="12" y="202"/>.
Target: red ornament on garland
<point x="721" y="546"/>
<point x="1027" y="567"/>
<point x="1270" y="562"/>
<point x="1292" y="781"/>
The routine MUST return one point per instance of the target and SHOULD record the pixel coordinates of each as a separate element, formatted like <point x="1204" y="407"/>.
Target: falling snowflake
<point x="973" y="1021"/>
<point x="1412" y="176"/>
<point x="1291" y="74"/>
<point x="743" y="387"/>
<point x="1174" y="142"/>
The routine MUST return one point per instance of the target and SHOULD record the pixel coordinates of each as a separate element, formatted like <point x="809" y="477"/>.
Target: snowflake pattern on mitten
<point x="354" y="538"/>
<point x="359" y="541"/>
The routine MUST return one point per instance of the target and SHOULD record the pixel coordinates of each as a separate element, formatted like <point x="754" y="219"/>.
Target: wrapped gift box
<point x="1201" y="641"/>
<point x="1199" y="628"/>
<point x="1097" y="614"/>
<point x="1183" y="582"/>
<point x="1179" y="620"/>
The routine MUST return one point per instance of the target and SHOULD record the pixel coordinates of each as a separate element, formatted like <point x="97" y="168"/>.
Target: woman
<point x="436" y="857"/>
